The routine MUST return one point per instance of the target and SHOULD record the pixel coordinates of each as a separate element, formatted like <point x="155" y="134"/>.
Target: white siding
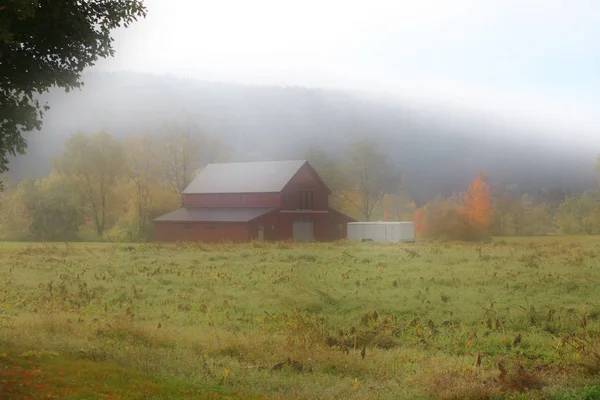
<point x="382" y="231"/>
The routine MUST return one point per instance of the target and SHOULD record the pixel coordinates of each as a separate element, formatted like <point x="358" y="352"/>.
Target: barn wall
<point x="273" y="225"/>
<point x="304" y="180"/>
<point x="331" y="230"/>
<point x="279" y="226"/>
<point x="232" y="200"/>
<point x="200" y="232"/>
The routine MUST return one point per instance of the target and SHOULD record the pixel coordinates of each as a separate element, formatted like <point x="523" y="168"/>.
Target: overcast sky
<point x="536" y="61"/>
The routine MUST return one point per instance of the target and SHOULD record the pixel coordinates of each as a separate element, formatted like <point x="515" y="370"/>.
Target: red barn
<point x="239" y="202"/>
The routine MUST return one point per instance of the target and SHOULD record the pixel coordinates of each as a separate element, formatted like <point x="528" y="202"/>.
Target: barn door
<point x="261" y="233"/>
<point x="303" y="230"/>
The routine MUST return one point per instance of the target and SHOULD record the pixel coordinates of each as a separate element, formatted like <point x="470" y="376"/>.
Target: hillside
<point x="437" y="151"/>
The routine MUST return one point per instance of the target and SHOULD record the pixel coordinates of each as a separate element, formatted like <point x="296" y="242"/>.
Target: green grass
<point x="47" y="375"/>
<point x="339" y="320"/>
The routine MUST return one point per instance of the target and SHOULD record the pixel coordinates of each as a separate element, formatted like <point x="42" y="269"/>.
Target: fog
<point x="447" y="88"/>
<point x="533" y="61"/>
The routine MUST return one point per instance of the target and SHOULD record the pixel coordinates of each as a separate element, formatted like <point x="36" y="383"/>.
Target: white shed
<point x="381" y="231"/>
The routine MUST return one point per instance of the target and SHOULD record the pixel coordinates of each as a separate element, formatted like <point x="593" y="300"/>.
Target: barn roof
<point x="214" y="214"/>
<point x="249" y="177"/>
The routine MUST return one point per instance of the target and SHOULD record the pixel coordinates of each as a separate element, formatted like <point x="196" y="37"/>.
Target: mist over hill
<point x="438" y="152"/>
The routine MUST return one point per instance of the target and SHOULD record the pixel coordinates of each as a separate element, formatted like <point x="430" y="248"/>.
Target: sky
<point x="535" y="62"/>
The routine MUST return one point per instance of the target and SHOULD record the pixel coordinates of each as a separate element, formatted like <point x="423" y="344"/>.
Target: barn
<point x="264" y="201"/>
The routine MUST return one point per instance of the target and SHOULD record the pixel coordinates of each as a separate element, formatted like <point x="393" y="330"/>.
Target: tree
<point x="93" y="164"/>
<point x="509" y="210"/>
<point x="520" y="215"/>
<point x="442" y="219"/>
<point x="327" y="167"/>
<point x="477" y="206"/>
<point x="14" y="216"/>
<point x="46" y="44"/>
<point x="180" y="155"/>
<point x="370" y="177"/>
<point x="145" y="192"/>
<point x="183" y="154"/>
<point x="397" y="207"/>
<point x="551" y="197"/>
<point x="330" y="170"/>
<point x="52" y="210"/>
<point x="419" y="220"/>
<point x="580" y="214"/>
<point x="144" y="172"/>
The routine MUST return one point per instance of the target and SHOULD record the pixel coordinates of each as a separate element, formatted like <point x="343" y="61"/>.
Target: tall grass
<point x="327" y="320"/>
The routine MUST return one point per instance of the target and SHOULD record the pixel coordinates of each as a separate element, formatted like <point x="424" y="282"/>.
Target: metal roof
<point x="249" y="177"/>
<point x="214" y="214"/>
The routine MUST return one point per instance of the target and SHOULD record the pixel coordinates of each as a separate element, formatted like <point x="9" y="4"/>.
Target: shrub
<point x="444" y="221"/>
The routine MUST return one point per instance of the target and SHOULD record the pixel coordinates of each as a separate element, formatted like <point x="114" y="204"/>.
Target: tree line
<point x="367" y="187"/>
<point x="102" y="188"/>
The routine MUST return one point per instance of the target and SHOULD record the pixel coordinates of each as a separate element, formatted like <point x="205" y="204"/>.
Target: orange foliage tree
<point x="476" y="204"/>
<point x="419" y="220"/>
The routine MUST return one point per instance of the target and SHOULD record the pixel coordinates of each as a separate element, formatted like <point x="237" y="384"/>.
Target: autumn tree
<point x="419" y="221"/>
<point x="442" y="219"/>
<point x="327" y="167"/>
<point x="183" y="151"/>
<point x="145" y="191"/>
<point x="143" y="169"/>
<point x="397" y="207"/>
<point x="580" y="214"/>
<point x="46" y="44"/>
<point x="93" y="164"/>
<point x="330" y="170"/>
<point x="552" y="197"/>
<point x="180" y="156"/>
<point x="524" y="215"/>
<point x="476" y="204"/>
<point x="370" y="176"/>
<point x="509" y="210"/>
<point x="52" y="209"/>
<point x="14" y="214"/>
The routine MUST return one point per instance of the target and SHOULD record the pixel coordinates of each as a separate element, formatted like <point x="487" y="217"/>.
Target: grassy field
<point x="517" y="318"/>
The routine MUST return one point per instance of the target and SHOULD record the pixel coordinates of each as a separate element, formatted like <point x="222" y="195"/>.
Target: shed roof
<point x="248" y="177"/>
<point x="214" y="214"/>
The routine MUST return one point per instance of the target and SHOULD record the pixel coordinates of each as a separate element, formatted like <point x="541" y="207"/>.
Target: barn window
<point x="340" y="227"/>
<point x="243" y="197"/>
<point x="306" y="200"/>
<point x="218" y="197"/>
<point x="187" y="226"/>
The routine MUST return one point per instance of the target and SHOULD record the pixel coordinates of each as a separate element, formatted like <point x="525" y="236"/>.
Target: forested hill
<point x="437" y="154"/>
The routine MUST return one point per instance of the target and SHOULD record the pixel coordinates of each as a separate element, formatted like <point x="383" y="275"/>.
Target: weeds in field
<point x="341" y="319"/>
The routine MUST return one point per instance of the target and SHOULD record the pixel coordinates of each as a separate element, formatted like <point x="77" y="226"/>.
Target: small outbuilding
<point x="393" y="232"/>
